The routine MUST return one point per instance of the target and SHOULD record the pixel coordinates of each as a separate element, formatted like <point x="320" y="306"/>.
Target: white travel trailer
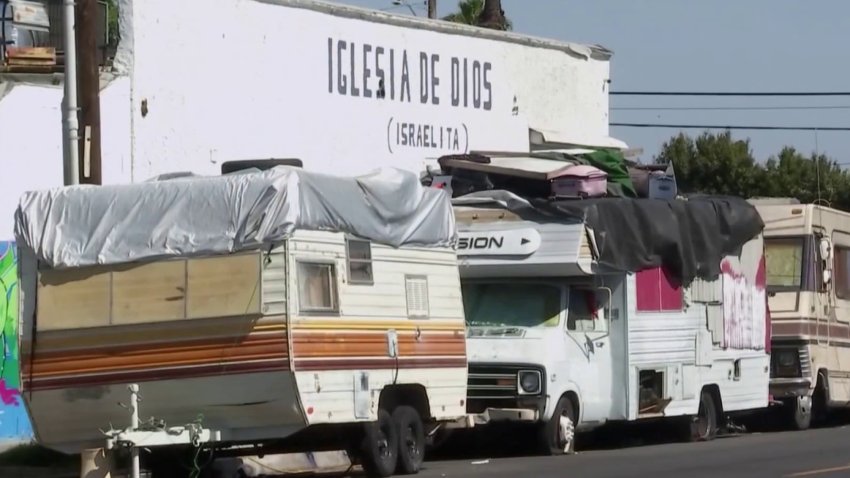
<point x="807" y="248"/>
<point x="560" y="335"/>
<point x="277" y="304"/>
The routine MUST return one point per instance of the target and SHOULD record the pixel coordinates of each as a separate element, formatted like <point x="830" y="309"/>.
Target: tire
<point x="550" y="441"/>
<point x="379" y="448"/>
<point x="798" y="416"/>
<point x="411" y="440"/>
<point x="703" y="427"/>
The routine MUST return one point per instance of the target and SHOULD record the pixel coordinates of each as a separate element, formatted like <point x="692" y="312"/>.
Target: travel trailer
<point x="807" y="247"/>
<point x="585" y="312"/>
<point x="275" y="305"/>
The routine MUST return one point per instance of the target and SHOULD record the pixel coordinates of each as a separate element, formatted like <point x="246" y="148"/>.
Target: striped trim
<point x="379" y="363"/>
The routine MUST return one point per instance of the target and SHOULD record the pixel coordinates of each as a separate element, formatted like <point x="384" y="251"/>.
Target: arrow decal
<point x="524" y="241"/>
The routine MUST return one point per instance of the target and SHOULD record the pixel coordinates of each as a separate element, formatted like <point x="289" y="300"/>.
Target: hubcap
<point x="702" y="422"/>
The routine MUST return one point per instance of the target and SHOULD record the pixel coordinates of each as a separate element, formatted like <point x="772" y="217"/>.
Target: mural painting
<point x="14" y="422"/>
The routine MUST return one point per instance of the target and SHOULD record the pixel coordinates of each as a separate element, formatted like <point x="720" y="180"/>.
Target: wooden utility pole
<point x="432" y="8"/>
<point x="88" y="74"/>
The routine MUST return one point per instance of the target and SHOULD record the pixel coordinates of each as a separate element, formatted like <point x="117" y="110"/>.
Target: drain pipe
<point x="71" y="123"/>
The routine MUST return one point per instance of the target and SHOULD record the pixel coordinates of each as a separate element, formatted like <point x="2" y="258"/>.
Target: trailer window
<point x="841" y="271"/>
<point x="512" y="304"/>
<point x="784" y="263"/>
<point x="317" y="290"/>
<point x="359" y="254"/>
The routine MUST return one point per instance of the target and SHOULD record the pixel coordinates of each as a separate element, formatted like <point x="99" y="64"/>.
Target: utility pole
<point x="69" y="113"/>
<point x="432" y="8"/>
<point x="89" y="83"/>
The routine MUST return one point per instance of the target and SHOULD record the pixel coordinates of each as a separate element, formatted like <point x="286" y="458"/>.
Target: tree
<point x="484" y="13"/>
<point x="712" y="164"/>
<point x="717" y="164"/>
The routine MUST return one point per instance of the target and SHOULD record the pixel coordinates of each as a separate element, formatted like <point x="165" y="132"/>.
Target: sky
<point x="711" y="45"/>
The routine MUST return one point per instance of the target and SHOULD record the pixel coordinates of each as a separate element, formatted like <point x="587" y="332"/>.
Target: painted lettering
<point x="483" y="242"/>
<point x="367" y="93"/>
<point x="379" y="72"/>
<point x="467" y="82"/>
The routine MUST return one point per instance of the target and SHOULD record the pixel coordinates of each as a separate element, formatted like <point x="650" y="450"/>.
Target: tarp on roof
<point x="689" y="237"/>
<point x="196" y="215"/>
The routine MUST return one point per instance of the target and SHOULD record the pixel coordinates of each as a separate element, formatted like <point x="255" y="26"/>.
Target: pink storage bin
<point x="581" y="181"/>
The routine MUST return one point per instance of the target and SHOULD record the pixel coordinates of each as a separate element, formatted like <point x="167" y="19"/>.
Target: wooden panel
<point x="153" y="292"/>
<point x="224" y="286"/>
<point x="74" y="298"/>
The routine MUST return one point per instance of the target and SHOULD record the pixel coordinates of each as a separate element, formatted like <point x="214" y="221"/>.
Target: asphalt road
<point x="823" y="453"/>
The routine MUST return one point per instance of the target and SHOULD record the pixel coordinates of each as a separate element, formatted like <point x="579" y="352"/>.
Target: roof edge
<point x="578" y="50"/>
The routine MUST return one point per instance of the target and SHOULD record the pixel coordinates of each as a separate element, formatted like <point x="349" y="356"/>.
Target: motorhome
<point x="276" y="305"/>
<point x="586" y="312"/>
<point x="807" y="247"/>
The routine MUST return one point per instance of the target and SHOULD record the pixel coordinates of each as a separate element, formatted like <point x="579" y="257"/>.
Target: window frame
<point x="333" y="281"/>
<point x="661" y="271"/>
<point x="836" y="248"/>
<point x="600" y="310"/>
<point x="349" y="260"/>
<point x="805" y="258"/>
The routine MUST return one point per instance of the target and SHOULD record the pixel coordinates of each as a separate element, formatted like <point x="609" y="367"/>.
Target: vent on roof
<point x="416" y="289"/>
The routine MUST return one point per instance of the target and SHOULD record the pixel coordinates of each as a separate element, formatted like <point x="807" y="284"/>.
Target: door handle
<point x="600" y="344"/>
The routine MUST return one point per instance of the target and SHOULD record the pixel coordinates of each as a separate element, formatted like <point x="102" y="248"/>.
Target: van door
<point x="589" y="346"/>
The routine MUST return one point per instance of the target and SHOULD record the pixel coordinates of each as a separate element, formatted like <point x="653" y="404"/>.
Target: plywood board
<point x="224" y="286"/>
<point x="72" y="299"/>
<point x="148" y="293"/>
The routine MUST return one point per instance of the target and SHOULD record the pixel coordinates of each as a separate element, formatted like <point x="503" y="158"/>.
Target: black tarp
<point x="688" y="237"/>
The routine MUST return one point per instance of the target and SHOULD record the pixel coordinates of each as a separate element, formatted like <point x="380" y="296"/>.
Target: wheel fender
<point x="554" y="394"/>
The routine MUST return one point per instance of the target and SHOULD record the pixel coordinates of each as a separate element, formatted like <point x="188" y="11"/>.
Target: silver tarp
<point x="195" y="215"/>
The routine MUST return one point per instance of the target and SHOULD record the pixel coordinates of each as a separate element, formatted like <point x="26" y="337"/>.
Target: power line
<point x="697" y="126"/>
<point x="731" y="93"/>
<point x="727" y="108"/>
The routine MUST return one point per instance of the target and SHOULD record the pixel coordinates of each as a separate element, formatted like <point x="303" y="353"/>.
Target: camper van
<point x="272" y="309"/>
<point x="807" y="248"/>
<point x="571" y="326"/>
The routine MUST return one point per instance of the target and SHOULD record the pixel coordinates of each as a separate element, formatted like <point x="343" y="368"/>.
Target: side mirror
<point x="826" y="256"/>
<point x="826" y="251"/>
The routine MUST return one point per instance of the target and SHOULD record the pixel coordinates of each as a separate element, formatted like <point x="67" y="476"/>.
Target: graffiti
<point x="744" y="308"/>
<point x="14" y="422"/>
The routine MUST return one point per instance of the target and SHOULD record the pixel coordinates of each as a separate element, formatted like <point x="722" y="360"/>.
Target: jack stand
<point x="136" y="437"/>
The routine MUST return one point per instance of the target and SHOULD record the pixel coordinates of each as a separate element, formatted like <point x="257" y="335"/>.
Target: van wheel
<point x="411" y="440"/>
<point x="379" y="449"/>
<point x="799" y="413"/>
<point x="703" y="427"/>
<point x="552" y="437"/>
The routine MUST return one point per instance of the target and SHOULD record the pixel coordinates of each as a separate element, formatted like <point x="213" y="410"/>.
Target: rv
<point x="807" y="248"/>
<point x="273" y="309"/>
<point x="573" y="321"/>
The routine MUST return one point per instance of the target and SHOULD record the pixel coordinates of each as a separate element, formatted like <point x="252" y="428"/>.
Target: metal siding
<point x="274" y="282"/>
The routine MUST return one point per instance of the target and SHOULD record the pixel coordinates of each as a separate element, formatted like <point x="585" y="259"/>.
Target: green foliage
<point x="718" y="164"/>
<point x="112" y="21"/>
<point x="469" y="13"/>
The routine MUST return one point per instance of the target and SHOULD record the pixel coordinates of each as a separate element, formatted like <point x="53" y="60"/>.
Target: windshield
<point x="512" y="304"/>
<point x="784" y="263"/>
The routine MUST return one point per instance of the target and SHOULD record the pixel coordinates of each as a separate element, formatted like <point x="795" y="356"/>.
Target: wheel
<point x="703" y="427"/>
<point x="557" y="436"/>
<point x="798" y="413"/>
<point x="411" y="440"/>
<point x="379" y="449"/>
